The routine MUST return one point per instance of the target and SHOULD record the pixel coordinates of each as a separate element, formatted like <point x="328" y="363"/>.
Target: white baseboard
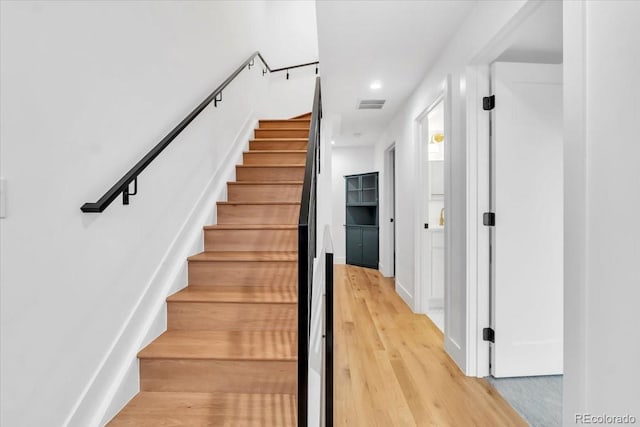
<point x="404" y="294"/>
<point x="339" y="260"/>
<point x="116" y="380"/>
<point x="383" y="270"/>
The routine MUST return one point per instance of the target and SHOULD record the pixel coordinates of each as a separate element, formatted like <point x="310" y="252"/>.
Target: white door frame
<point x="388" y="208"/>
<point x="419" y="214"/>
<point x="477" y="86"/>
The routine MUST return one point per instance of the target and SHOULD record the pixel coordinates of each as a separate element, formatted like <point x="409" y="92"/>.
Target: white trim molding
<point x="405" y="295"/>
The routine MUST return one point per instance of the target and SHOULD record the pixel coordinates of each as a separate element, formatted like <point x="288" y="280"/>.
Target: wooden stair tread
<point x="285" y="120"/>
<point x="279" y="139"/>
<point x="244" y="256"/>
<point x="281" y="165"/>
<point x="251" y="227"/>
<point x="207" y="409"/>
<point x="257" y="203"/>
<point x="265" y="182"/>
<point x="183" y="409"/>
<point x="275" y="152"/>
<point x="223" y="345"/>
<point x="284" y="128"/>
<point x="276" y="294"/>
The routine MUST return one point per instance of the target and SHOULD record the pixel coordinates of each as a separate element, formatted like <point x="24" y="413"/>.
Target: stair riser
<point x="250" y="240"/>
<point x="220" y="316"/>
<point x="258" y="214"/>
<point x="271" y="158"/>
<point x="284" y="124"/>
<point x="230" y="376"/>
<point x="242" y="273"/>
<point x="281" y="133"/>
<point x="270" y="174"/>
<point x="264" y="193"/>
<point x="277" y="145"/>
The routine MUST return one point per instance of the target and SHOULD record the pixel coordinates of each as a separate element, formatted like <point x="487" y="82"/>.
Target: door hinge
<point x="489" y="219"/>
<point x="489" y="102"/>
<point x="488" y="334"/>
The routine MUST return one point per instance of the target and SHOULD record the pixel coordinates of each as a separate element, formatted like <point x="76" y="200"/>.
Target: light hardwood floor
<point x="391" y="368"/>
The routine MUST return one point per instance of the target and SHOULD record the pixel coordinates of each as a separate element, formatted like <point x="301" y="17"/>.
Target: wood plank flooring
<point x="391" y="368"/>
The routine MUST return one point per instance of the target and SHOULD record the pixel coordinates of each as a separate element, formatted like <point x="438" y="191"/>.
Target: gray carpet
<point x="537" y="399"/>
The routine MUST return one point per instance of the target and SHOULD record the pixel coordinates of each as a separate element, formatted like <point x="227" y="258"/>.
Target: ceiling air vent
<point x="370" y="104"/>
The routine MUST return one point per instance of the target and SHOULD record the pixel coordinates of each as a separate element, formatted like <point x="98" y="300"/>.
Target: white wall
<point x="602" y="201"/>
<point x="290" y="38"/>
<point x="324" y="207"/>
<point x="345" y="161"/>
<point x="288" y="98"/>
<point x="291" y="35"/>
<point x="87" y="89"/>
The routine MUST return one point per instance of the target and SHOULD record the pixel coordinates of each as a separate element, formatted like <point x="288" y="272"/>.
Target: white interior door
<point x="527" y="240"/>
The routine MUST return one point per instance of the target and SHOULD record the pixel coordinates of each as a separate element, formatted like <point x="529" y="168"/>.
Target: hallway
<point x="391" y="368"/>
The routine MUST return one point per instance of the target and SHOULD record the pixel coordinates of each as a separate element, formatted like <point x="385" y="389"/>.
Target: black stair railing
<point x="131" y="177"/>
<point x="307" y="243"/>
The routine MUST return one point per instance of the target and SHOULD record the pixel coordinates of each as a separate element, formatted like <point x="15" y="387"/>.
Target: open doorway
<point x="389" y="215"/>
<point x="526" y="238"/>
<point x="433" y="141"/>
<point x="518" y="206"/>
<point x="431" y="251"/>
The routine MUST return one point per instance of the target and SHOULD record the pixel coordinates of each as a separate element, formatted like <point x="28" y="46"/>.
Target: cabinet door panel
<point x="370" y="247"/>
<point x="354" y="245"/>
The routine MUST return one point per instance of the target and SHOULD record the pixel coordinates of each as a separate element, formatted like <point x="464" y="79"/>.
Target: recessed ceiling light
<point x="333" y="142"/>
<point x="375" y="85"/>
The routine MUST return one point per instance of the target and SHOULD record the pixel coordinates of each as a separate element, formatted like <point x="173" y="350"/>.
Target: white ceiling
<point x="395" y="42"/>
<point x="539" y="38"/>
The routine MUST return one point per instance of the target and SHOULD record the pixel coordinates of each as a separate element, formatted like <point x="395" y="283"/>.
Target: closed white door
<point x="527" y="239"/>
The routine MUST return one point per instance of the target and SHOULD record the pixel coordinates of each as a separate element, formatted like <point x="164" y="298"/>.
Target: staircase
<point x="229" y="355"/>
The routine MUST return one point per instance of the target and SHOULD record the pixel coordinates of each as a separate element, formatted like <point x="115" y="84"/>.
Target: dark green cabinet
<point x="361" y="194"/>
<point x="362" y="245"/>
<point x="354" y="244"/>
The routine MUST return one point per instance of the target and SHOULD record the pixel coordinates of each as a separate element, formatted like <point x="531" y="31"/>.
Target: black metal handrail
<point x="122" y="185"/>
<point x="307" y="238"/>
